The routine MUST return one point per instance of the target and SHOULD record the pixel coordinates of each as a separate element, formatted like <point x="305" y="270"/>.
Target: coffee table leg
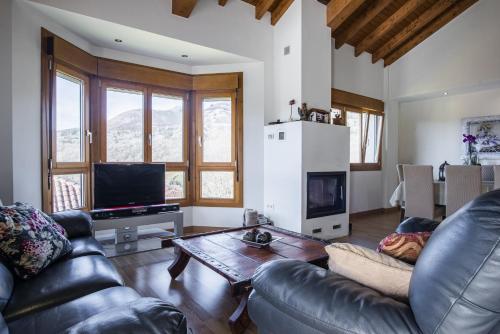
<point x="180" y="262"/>
<point x="239" y="320"/>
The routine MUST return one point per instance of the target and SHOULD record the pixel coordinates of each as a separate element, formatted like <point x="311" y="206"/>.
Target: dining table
<point x="398" y="196"/>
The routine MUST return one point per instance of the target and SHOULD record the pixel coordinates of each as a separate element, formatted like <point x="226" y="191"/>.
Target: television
<point x="127" y="185"/>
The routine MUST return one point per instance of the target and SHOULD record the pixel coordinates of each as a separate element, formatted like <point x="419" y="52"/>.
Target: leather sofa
<point x="81" y="293"/>
<point x="454" y="287"/>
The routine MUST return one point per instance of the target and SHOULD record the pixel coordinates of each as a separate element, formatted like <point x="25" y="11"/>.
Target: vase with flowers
<point x="471" y="141"/>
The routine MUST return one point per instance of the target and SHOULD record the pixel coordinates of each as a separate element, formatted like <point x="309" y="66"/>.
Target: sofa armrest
<point x="145" y="315"/>
<point x="76" y="223"/>
<point x="324" y="301"/>
<point x="415" y="224"/>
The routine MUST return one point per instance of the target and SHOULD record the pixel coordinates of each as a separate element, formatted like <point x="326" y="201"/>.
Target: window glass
<point x="353" y="121"/>
<point x="217" y="185"/>
<point x="67" y="192"/>
<point x="217" y="134"/>
<point x="167" y="128"/>
<point x="124" y="125"/>
<point x="373" y="138"/>
<point x="69" y="119"/>
<point x="175" y="185"/>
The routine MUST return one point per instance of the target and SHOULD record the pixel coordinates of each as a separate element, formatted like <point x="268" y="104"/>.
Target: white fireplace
<point x="306" y="178"/>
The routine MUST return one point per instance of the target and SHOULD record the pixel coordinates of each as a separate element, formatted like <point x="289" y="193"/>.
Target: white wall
<point x="358" y="75"/>
<point x="287" y="68"/>
<point x="316" y="56"/>
<point x="463" y="59"/>
<point x="431" y="129"/>
<point x="232" y="28"/>
<point x="26" y="142"/>
<point x="26" y="87"/>
<point x="6" y="190"/>
<point x="462" y="55"/>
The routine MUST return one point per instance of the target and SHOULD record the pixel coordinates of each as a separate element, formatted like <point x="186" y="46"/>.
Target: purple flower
<point x="469" y="139"/>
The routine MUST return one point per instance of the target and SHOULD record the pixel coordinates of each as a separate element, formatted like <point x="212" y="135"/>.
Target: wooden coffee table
<point x="237" y="261"/>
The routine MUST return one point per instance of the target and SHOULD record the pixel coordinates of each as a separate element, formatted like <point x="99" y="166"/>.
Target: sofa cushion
<point x="454" y="287"/>
<point x="324" y="301"/>
<point x="85" y="246"/>
<point x="145" y="315"/>
<point x="3" y="326"/>
<point x="58" y="318"/>
<point x="377" y="271"/>
<point x="404" y="246"/>
<point x="61" y="282"/>
<point x="29" y="242"/>
<point x="6" y="286"/>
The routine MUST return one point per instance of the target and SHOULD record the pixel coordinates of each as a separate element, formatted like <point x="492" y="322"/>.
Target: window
<point x="217" y="149"/>
<point x="97" y="110"/>
<point x="124" y="125"/>
<point x="70" y="138"/>
<point x="149" y="125"/>
<point x="365" y="136"/>
<point x="169" y="141"/>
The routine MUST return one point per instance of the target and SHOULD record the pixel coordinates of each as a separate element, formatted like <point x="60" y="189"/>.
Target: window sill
<point x="357" y="167"/>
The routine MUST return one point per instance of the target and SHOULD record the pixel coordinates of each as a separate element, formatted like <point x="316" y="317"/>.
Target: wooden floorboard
<point x="203" y="295"/>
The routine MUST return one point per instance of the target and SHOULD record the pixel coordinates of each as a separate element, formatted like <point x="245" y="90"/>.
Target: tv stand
<point x="177" y="217"/>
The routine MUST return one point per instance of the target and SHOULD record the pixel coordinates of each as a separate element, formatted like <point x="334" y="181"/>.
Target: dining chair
<point x="496" y="173"/>
<point x="419" y="192"/>
<point x="463" y="184"/>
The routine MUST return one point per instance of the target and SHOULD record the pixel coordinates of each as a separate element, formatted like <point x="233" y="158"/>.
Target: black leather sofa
<point x="455" y="287"/>
<point x="81" y="293"/>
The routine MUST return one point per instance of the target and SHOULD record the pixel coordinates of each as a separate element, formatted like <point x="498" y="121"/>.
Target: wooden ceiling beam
<point x="261" y="8"/>
<point x="338" y="11"/>
<point x="375" y="9"/>
<point x="387" y="25"/>
<point x="430" y="14"/>
<point x="434" y="26"/>
<point x="222" y="2"/>
<point x="183" y="7"/>
<point x="279" y="10"/>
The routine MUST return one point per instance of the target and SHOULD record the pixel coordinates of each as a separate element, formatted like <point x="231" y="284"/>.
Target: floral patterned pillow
<point x="29" y="241"/>
<point x="404" y="246"/>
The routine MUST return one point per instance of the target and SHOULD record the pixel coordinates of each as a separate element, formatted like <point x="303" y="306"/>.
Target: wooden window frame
<point x="186" y="150"/>
<point x="100" y="72"/>
<point x="236" y="162"/>
<point x="364" y="166"/>
<point x="64" y="168"/>
<point x="344" y="100"/>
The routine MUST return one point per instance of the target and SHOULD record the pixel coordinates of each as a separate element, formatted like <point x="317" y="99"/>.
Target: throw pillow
<point x="57" y="226"/>
<point x="404" y="246"/>
<point x="368" y="267"/>
<point x="28" y="241"/>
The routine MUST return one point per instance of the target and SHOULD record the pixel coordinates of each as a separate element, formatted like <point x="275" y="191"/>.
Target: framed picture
<point x="487" y="132"/>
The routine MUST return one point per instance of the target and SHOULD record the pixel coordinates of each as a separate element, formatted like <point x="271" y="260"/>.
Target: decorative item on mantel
<point x="337" y="119"/>
<point x="441" y="170"/>
<point x="471" y="159"/>
<point x="303" y="112"/>
<point x="319" y="115"/>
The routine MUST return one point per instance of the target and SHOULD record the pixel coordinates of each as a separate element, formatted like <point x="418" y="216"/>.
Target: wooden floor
<point x="203" y="295"/>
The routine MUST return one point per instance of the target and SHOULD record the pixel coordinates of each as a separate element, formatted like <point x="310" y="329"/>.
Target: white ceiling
<point x="103" y="33"/>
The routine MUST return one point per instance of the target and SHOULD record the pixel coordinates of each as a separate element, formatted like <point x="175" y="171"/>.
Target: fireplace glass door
<point x="326" y="194"/>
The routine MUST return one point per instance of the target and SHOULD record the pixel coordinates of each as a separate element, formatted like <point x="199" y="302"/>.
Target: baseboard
<point x="371" y="212"/>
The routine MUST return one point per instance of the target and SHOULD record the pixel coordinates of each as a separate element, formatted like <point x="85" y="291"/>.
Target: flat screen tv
<point x="126" y="185"/>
